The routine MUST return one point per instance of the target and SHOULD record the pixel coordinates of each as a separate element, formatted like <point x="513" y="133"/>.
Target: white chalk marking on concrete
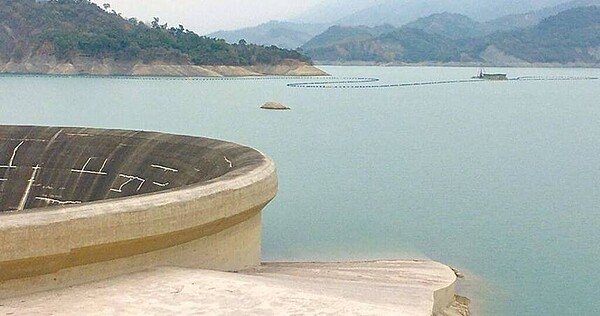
<point x="103" y="165"/>
<point x="26" y="139"/>
<point x="28" y="189"/>
<point x="79" y="134"/>
<point x="164" y="168"/>
<point x="197" y="170"/>
<point x="56" y="136"/>
<point x="130" y="179"/>
<point x="228" y="161"/>
<point x="83" y="169"/>
<point x="1" y="179"/>
<point x="53" y="201"/>
<point x="86" y="163"/>
<point x="12" y="158"/>
<point x="160" y="184"/>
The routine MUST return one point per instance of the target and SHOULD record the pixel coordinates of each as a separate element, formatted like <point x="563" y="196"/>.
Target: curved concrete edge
<point x="214" y="225"/>
<point x="445" y="296"/>
<point x="404" y="287"/>
<point x="415" y="287"/>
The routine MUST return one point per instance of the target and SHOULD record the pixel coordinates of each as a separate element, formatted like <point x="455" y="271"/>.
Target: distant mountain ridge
<point x="457" y="26"/>
<point x="487" y="16"/>
<point x="337" y="35"/>
<point x="400" y="12"/>
<point x="451" y="25"/>
<point x="281" y="34"/>
<point x="570" y="37"/>
<point x="532" y="18"/>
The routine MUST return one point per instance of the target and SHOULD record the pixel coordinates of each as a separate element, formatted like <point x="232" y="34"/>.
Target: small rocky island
<point x="80" y="38"/>
<point x="275" y="106"/>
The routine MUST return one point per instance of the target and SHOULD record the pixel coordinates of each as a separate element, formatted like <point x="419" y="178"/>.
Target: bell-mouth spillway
<point x="41" y="167"/>
<point x="78" y="204"/>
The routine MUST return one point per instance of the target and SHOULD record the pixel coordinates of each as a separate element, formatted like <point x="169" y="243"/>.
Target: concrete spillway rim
<point x="230" y="181"/>
<point x="129" y="233"/>
<point x="134" y="202"/>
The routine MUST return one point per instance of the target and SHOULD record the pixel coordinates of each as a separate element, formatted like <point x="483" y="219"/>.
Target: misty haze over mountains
<point x="330" y="11"/>
<point x="488" y="15"/>
<point x="400" y="12"/>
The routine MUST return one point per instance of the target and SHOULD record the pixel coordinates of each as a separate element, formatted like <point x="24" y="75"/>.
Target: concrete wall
<point x="98" y="203"/>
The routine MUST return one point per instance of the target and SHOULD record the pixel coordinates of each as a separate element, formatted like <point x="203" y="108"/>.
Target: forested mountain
<point x="339" y="35"/>
<point x="363" y="43"/>
<point x="532" y="18"/>
<point x="572" y="36"/>
<point x="459" y="26"/>
<point x="70" y="29"/>
<point x="484" y="17"/>
<point x="451" y="25"/>
<point x="569" y="37"/>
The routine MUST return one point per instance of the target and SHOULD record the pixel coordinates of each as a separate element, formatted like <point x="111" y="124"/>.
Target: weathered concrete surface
<point x="359" y="288"/>
<point x="85" y="204"/>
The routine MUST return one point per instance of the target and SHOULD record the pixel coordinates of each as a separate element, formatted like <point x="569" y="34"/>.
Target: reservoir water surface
<point x="501" y="179"/>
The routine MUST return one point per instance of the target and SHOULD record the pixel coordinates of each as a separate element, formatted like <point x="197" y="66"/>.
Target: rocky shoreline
<point x="107" y="67"/>
<point x="458" y="64"/>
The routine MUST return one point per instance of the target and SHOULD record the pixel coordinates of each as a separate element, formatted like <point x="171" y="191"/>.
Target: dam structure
<point x="83" y="204"/>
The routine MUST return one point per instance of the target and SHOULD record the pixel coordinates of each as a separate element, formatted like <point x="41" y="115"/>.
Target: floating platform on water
<point x="495" y="76"/>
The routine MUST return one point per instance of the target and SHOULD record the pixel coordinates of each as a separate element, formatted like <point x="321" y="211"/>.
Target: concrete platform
<point x="358" y="288"/>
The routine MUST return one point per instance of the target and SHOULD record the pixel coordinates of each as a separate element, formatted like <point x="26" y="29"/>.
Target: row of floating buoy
<point x="336" y="83"/>
<point x="357" y="84"/>
<point x="333" y="83"/>
<point x="557" y="78"/>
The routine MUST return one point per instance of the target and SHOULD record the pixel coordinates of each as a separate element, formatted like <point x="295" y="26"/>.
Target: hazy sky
<point x="205" y="16"/>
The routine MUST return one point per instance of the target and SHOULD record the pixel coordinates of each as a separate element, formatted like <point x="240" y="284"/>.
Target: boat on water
<point x="487" y="76"/>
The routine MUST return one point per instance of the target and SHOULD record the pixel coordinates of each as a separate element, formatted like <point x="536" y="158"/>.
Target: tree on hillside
<point x="69" y="29"/>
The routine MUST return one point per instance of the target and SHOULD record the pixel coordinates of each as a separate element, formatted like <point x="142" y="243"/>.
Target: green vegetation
<point x="337" y="36"/>
<point x="67" y="29"/>
<point x="451" y="25"/>
<point x="572" y="36"/>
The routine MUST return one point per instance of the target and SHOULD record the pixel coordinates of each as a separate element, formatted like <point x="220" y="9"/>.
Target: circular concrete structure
<point x="80" y="204"/>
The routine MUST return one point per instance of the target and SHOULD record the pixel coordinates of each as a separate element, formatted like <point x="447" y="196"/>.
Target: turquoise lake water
<point x="500" y="179"/>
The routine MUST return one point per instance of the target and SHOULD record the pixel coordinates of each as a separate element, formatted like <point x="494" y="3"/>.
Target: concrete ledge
<point x="212" y="222"/>
<point x="352" y="288"/>
<point x="402" y="287"/>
